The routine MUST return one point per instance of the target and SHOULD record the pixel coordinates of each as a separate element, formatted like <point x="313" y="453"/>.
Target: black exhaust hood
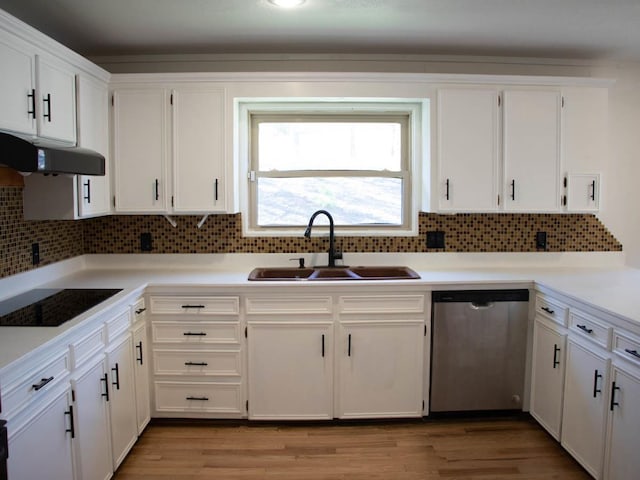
<point x="26" y="157"/>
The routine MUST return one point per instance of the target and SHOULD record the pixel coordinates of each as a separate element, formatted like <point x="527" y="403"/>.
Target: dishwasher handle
<point x="480" y="305"/>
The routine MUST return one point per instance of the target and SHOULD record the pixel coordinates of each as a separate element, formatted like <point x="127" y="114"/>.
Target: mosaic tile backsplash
<point x="60" y="240"/>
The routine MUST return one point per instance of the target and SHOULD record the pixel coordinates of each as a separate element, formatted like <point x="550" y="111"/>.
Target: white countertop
<point x="604" y="284"/>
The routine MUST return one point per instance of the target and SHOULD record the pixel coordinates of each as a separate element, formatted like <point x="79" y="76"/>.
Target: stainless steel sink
<point x="333" y="273"/>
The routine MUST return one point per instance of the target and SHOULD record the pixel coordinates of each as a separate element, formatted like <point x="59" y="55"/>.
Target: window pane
<point x="351" y="201"/>
<point x="329" y="146"/>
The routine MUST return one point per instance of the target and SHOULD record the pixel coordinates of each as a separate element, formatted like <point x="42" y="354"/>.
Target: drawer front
<point x="382" y="304"/>
<point x="86" y="347"/>
<point x="36" y="385"/>
<point x="198" y="397"/>
<point x="290" y="305"/>
<point x="178" y="305"/>
<point x="117" y="325"/>
<point x="627" y="347"/>
<point x="552" y="309"/>
<point x="196" y="332"/>
<point x="586" y="326"/>
<point x="198" y="362"/>
<point x="139" y="311"/>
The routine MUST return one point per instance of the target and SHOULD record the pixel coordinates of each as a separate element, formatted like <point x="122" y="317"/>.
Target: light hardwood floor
<point x="504" y="448"/>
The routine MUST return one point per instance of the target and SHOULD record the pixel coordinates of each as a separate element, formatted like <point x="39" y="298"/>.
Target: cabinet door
<point x="122" y="400"/>
<point x="42" y="448"/>
<point x="290" y="371"/>
<point x="93" y="133"/>
<point x="140" y="147"/>
<point x="547" y="377"/>
<point x="17" y="88"/>
<point x="467" y="150"/>
<point x="531" y="150"/>
<point x="92" y="445"/>
<point x="583" y="192"/>
<point x="56" y="87"/>
<point x="624" y="425"/>
<point x="198" y="150"/>
<point x="141" y="372"/>
<point x="380" y="368"/>
<point x="585" y="406"/>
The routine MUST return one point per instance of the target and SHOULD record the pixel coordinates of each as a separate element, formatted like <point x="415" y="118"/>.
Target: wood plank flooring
<point x="502" y="448"/>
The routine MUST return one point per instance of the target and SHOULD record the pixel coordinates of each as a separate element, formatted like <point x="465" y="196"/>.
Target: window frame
<point x="411" y="111"/>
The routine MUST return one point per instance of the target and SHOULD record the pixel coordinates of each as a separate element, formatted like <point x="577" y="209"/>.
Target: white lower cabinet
<point x="41" y="447"/>
<point x="290" y="370"/>
<point x="547" y="375"/>
<point x="380" y="369"/>
<point x="122" y="398"/>
<point x="585" y="405"/>
<point x="141" y="375"/>
<point x="92" y="447"/>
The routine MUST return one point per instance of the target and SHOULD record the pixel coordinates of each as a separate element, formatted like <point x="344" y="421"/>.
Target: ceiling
<point x="579" y="29"/>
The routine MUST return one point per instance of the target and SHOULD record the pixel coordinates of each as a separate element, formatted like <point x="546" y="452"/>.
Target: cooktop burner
<point x="47" y="307"/>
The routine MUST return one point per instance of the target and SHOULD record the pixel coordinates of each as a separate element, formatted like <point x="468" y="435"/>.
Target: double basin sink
<point x="333" y="273"/>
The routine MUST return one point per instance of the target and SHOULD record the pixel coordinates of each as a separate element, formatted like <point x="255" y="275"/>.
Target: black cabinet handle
<point x="196" y="364"/>
<point x="157" y="190"/>
<point x="593" y="190"/>
<point x="215" y="189"/>
<point x="32" y="100"/>
<point x="446" y="195"/>
<point x="105" y="379"/>
<point x="87" y="197"/>
<point x="349" y="346"/>
<point x="323" y="345"/>
<point x="596" y="390"/>
<point x="42" y="383"/>
<point x="556" y="350"/>
<point x="548" y="310"/>
<point x="200" y="399"/>
<point x="47" y="100"/>
<point x="192" y="306"/>
<point x="513" y="189"/>
<point x="140" y="310"/>
<point x="194" y="334"/>
<point x="585" y="329"/>
<point x="117" y="382"/>
<point x="632" y="352"/>
<point x="613" y="396"/>
<point x="139" y="349"/>
<point x="72" y="428"/>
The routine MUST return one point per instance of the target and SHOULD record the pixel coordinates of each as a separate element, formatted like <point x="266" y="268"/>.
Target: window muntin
<point x="356" y="166"/>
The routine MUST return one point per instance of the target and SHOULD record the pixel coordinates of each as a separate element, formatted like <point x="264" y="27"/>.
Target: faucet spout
<point x="333" y="255"/>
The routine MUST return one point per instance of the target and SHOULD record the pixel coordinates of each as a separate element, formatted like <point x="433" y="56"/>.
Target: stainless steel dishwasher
<point x="478" y="350"/>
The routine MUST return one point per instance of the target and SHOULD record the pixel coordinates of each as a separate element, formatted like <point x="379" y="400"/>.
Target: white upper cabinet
<point x="93" y="133"/>
<point x="56" y="100"/>
<point x="17" y="86"/>
<point x="140" y="150"/>
<point x="531" y="150"/>
<point x="198" y="150"/>
<point x="467" y="147"/>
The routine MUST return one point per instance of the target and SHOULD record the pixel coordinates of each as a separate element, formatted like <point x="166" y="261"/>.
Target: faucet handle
<point x="300" y="261"/>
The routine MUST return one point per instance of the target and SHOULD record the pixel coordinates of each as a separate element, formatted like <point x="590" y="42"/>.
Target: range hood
<point x="27" y="157"/>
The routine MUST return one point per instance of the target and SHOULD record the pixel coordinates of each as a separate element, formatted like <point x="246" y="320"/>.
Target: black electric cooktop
<point x="48" y="307"/>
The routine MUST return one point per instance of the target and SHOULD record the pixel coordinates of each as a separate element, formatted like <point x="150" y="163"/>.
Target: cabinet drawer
<point x="196" y="332"/>
<point x="195" y="305"/>
<point x="197" y="362"/>
<point x="382" y="304"/>
<point x="293" y="304"/>
<point x="627" y="347"/>
<point x="552" y="309"/>
<point x="35" y="386"/>
<point x="198" y="397"/>
<point x="86" y="347"/>
<point x="139" y="311"/>
<point x="117" y="325"/>
<point x="586" y="326"/>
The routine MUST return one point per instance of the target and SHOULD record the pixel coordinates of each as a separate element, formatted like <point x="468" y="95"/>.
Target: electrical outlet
<point x="541" y="240"/>
<point x="435" y="239"/>
<point x="35" y="253"/>
<point x="146" y="244"/>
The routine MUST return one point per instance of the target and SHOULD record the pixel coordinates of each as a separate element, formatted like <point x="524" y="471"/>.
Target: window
<point x="356" y="165"/>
